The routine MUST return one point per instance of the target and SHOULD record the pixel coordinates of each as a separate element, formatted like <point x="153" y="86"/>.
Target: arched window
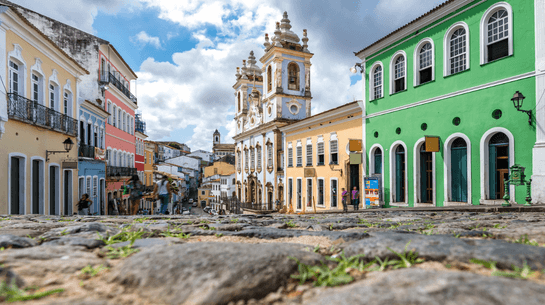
<point x="424" y="70"/>
<point x="269" y="79"/>
<point x="377" y="155"/>
<point x="496" y="33"/>
<point x="457" y="51"/>
<point x="293" y="76"/>
<point x="398" y="68"/>
<point x="377" y="82"/>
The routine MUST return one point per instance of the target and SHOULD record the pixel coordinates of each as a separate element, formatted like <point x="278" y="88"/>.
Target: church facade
<point x="268" y="98"/>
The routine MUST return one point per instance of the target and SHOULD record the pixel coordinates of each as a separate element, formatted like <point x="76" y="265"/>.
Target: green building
<point x="451" y="74"/>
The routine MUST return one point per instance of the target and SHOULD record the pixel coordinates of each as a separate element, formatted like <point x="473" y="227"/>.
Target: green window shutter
<point x="423" y="178"/>
<point x="378" y="164"/>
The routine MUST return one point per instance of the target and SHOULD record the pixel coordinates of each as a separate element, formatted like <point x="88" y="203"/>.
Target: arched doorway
<point x="498" y="161"/>
<point x="377" y="158"/>
<point x="458" y="165"/>
<point x="426" y="175"/>
<point x="252" y="192"/>
<point x="399" y="174"/>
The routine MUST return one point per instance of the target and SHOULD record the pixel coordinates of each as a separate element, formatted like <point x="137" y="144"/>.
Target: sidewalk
<point x="472" y="208"/>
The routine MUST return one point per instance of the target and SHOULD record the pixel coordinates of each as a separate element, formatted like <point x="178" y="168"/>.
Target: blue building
<point x="92" y="156"/>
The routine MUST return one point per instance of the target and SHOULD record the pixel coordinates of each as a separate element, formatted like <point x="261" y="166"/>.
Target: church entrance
<point x="252" y="192"/>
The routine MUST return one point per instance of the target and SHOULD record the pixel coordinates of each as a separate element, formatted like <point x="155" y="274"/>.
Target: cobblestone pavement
<point x="377" y="257"/>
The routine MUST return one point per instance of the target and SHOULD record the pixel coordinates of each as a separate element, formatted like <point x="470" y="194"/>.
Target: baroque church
<point x="268" y="98"/>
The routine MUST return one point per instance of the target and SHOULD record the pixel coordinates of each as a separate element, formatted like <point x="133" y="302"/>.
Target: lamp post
<point x="518" y="99"/>
<point x="67" y="147"/>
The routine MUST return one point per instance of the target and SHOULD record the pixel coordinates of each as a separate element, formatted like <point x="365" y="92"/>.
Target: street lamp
<point x="67" y="147"/>
<point x="354" y="70"/>
<point x="518" y="99"/>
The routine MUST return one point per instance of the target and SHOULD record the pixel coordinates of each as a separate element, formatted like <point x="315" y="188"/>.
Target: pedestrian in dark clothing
<point x="83" y="205"/>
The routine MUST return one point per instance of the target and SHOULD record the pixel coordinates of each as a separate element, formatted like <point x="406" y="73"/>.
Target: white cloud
<point x="144" y="39"/>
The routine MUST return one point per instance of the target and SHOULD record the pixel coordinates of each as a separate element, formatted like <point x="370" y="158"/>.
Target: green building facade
<point x="451" y="75"/>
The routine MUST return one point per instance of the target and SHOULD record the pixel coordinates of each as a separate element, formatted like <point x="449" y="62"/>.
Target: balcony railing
<point x="23" y="109"/>
<point x="86" y="151"/>
<point x="114" y="81"/>
<point x="113" y="171"/>
<point x="139" y="125"/>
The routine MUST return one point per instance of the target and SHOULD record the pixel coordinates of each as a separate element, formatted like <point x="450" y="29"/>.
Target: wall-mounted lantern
<point x="518" y="99"/>
<point x="67" y="147"/>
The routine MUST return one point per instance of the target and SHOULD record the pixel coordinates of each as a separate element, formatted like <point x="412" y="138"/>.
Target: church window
<point x="238" y="160"/>
<point x="239" y="108"/>
<point x="252" y="158"/>
<point x="293" y="76"/>
<point x="269" y="79"/>
<point x="258" y="148"/>
<point x="246" y="159"/>
<point x="269" y="155"/>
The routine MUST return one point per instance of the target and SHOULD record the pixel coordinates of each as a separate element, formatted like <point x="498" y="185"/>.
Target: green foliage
<point x="526" y="241"/>
<point x="123" y="236"/>
<point x="429" y="226"/>
<point x="66" y="220"/>
<point x="120" y="252"/>
<point x="408" y="258"/>
<point x="141" y="220"/>
<point x="205" y="221"/>
<point x="475" y="227"/>
<point x="12" y="293"/>
<point x="64" y="232"/>
<point x="28" y="235"/>
<point x="519" y="273"/>
<point x="291" y="224"/>
<point x="498" y="226"/>
<point x="317" y="248"/>
<point x="6" y="218"/>
<point x="431" y="232"/>
<point x="234" y="220"/>
<point x="324" y="275"/>
<point x="181" y="235"/>
<point x="89" y="270"/>
<point x="218" y="235"/>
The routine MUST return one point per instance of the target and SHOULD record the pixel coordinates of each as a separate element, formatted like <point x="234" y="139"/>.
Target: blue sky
<point x="185" y="52"/>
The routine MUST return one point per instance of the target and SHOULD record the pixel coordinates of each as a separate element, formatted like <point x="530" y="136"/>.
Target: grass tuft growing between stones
<point x="120" y="252"/>
<point x="347" y="268"/>
<point x="524" y="240"/>
<point x="123" y="236"/>
<point x="90" y="271"/>
<point x="12" y="293"/>
<point x="518" y="273"/>
<point x="291" y="224"/>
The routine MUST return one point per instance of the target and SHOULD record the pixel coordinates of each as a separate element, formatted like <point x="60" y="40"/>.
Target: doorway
<point x="67" y="196"/>
<point x="400" y="174"/>
<point x="53" y="190"/>
<point x="426" y="175"/>
<point x="377" y="168"/>
<point x="17" y="183"/>
<point x="37" y="186"/>
<point x="299" y="190"/>
<point x="252" y="191"/>
<point x="499" y="164"/>
<point x="458" y="165"/>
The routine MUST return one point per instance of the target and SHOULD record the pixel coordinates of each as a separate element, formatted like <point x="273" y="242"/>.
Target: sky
<point x="185" y="52"/>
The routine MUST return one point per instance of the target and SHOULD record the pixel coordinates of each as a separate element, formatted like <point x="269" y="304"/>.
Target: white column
<point x="538" y="177"/>
<point x="4" y="75"/>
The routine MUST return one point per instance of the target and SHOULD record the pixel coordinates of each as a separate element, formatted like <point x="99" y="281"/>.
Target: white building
<point x="266" y="99"/>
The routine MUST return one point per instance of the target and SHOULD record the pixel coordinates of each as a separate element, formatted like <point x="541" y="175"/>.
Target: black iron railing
<point x="114" y="81"/>
<point x="139" y="125"/>
<point x="23" y="109"/>
<point x="86" y="151"/>
<point x="113" y="171"/>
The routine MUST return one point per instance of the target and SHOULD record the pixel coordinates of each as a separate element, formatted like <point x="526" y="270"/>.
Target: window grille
<point x="252" y="158"/>
<point x="299" y="156"/>
<point x="377" y="83"/>
<point x="321" y="153"/>
<point x="88" y="189"/>
<point x="458" y="51"/>
<point x="269" y="155"/>
<point x="35" y="87"/>
<point x="399" y="74"/>
<point x="14" y="78"/>
<point x="258" y="157"/>
<point x="498" y="35"/>
<point x="290" y="157"/>
<point x="334" y="153"/>
<point x="309" y="154"/>
<point x="425" y="63"/>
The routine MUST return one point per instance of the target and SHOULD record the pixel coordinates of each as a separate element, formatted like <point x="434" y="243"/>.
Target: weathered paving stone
<point x="12" y="241"/>
<point x="37" y="261"/>
<point x="150" y="242"/>
<point x="447" y="248"/>
<point x="86" y="230"/>
<point x="9" y="277"/>
<point x="270" y="233"/>
<point x="75" y="241"/>
<point x="217" y="273"/>
<point x="418" y="286"/>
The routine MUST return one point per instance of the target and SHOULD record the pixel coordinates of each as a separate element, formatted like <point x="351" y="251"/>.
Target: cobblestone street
<point x="388" y="257"/>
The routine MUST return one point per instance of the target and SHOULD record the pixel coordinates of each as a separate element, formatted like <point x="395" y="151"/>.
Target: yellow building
<point x="149" y="153"/>
<point x="320" y="161"/>
<point x="204" y="195"/>
<point x="219" y="168"/>
<point x="39" y="176"/>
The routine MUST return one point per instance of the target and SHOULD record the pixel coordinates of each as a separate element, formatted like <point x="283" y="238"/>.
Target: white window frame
<point x="372" y="96"/>
<point x="393" y="149"/>
<point x="332" y="139"/>
<point x="446" y="47"/>
<point x="39" y="83"/>
<point x="299" y="195"/>
<point x="109" y="110"/>
<point x="259" y="157"/>
<point x="392" y="70"/>
<point x="320" y="142"/>
<point x="309" y="152"/>
<point x="290" y="155"/>
<point x="17" y="58"/>
<point x="416" y="61"/>
<point x="299" y="154"/>
<point x="331" y="193"/>
<point x="484" y="29"/>
<point x="54" y="91"/>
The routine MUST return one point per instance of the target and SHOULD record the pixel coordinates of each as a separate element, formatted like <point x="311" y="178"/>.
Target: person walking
<point x="83" y="205"/>
<point x="136" y="190"/>
<point x="356" y="198"/>
<point x="344" y="196"/>
<point x="163" y="191"/>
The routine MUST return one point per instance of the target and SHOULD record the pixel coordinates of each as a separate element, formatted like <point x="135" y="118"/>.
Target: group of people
<point x="354" y="198"/>
<point x="136" y="189"/>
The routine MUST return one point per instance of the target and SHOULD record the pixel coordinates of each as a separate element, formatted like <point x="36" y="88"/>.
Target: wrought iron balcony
<point x="86" y="151"/>
<point x="139" y="125"/>
<point x="113" y="171"/>
<point x="110" y="77"/>
<point x="23" y="109"/>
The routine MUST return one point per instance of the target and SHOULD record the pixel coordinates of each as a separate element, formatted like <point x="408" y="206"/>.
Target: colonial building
<point x="140" y="133"/>
<point x="320" y="159"/>
<point x="439" y="119"/>
<point x="267" y="99"/>
<point x="38" y="120"/>
<point x="221" y="150"/>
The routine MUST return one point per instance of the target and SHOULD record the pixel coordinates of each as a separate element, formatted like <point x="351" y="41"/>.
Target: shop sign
<point x="432" y="144"/>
